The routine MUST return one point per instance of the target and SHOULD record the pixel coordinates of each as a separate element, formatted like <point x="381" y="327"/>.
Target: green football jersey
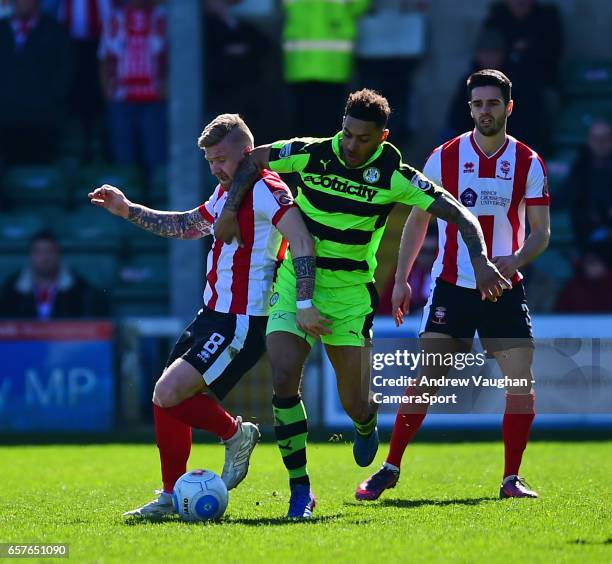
<point x="346" y="209"/>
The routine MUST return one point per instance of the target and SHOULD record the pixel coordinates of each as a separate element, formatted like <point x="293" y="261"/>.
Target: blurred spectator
<point x="46" y="289"/>
<point x="133" y="54"/>
<point x="83" y="19"/>
<point x="489" y="53"/>
<point x="6" y="9"/>
<point x="319" y="51"/>
<point x="533" y="39"/>
<point x="391" y="74"/>
<point x="35" y="66"/>
<point x="533" y="35"/>
<point x="588" y="291"/>
<point x="237" y="55"/>
<point x="419" y="278"/>
<point x="589" y="189"/>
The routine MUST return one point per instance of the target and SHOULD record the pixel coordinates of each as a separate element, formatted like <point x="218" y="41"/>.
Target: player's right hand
<point x="312" y="322"/>
<point x="489" y="280"/>
<point x="226" y="228"/>
<point x="111" y="199"/>
<point x="400" y="301"/>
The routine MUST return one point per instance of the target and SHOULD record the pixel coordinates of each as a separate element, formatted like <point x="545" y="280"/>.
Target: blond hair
<point x="222" y="126"/>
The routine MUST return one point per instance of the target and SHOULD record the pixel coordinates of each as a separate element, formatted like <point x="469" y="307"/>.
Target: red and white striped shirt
<point x="239" y="279"/>
<point x="85" y="18"/>
<point x="135" y="41"/>
<point x="495" y="189"/>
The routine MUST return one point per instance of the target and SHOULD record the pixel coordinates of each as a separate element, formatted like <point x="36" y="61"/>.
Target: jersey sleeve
<point x="289" y="156"/>
<point x="413" y="188"/>
<point x="207" y="208"/>
<point x="271" y="198"/>
<point x="433" y="167"/>
<point x="536" y="188"/>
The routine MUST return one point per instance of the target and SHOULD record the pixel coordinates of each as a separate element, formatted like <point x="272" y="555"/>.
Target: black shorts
<point x="459" y="312"/>
<point x="222" y="347"/>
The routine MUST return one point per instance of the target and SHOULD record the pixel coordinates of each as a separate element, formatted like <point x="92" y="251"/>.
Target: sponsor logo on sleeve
<point x="420" y="181"/>
<point x="285" y="151"/>
<point x="282" y="197"/>
<point x="545" y="192"/>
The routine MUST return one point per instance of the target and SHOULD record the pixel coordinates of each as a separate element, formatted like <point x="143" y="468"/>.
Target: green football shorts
<point x="350" y="308"/>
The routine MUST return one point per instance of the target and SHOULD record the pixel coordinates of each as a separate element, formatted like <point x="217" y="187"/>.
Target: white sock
<point x="391" y="467"/>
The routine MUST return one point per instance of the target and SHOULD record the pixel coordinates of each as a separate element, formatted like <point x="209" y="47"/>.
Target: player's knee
<point x="165" y="394"/>
<point x="284" y="382"/>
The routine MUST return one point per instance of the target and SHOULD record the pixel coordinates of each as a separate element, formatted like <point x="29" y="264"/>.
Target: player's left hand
<point x="312" y="322"/>
<point x="489" y="279"/>
<point x="226" y="228"/>
<point x="507" y="265"/>
<point x="400" y="301"/>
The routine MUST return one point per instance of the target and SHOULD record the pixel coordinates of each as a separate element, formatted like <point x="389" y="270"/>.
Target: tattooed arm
<point x="488" y="279"/>
<point x="307" y="318"/>
<point x="226" y="226"/>
<point x="175" y="225"/>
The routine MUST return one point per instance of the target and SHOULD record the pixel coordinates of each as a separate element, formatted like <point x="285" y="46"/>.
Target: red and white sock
<point x="404" y="429"/>
<point x="516" y="425"/>
<point x="203" y="412"/>
<point x="174" y="444"/>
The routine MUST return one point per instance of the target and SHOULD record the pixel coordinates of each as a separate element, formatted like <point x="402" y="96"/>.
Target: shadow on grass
<point x="250" y="521"/>
<point x="607" y="542"/>
<point x="410" y="503"/>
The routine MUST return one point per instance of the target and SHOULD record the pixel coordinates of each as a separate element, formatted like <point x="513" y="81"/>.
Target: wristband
<point x="304" y="304"/>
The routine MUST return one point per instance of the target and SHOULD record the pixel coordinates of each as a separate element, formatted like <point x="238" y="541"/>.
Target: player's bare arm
<point x="489" y="280"/>
<point x="308" y="318"/>
<point x="411" y="242"/>
<point x="175" y="225"/>
<point x="226" y="226"/>
<point x="535" y="244"/>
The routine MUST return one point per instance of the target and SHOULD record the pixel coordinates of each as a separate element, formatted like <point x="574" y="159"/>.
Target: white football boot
<point x="156" y="509"/>
<point x="238" y="451"/>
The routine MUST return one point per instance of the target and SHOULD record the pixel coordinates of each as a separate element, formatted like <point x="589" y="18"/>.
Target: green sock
<point x="364" y="429"/>
<point x="291" y="428"/>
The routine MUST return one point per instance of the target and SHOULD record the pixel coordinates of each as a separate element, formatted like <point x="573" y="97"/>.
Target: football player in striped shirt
<point x="226" y="337"/>
<point x="349" y="184"/>
<point x="502" y="182"/>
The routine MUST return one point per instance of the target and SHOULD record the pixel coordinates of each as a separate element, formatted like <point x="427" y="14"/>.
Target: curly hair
<point x="368" y="105"/>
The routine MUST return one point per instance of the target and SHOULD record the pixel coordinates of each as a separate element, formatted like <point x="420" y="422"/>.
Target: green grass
<point x="445" y="507"/>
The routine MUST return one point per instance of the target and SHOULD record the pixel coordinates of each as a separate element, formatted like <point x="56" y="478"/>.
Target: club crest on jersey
<point x="274" y="298"/>
<point x="468" y="198"/>
<point x="439" y="316"/>
<point x="504" y="167"/>
<point x="371" y="175"/>
<point x="421" y="182"/>
<point x="468" y="167"/>
<point x="282" y="197"/>
<point x="285" y="151"/>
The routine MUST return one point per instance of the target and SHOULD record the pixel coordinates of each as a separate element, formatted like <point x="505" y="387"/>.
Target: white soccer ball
<point x="200" y="495"/>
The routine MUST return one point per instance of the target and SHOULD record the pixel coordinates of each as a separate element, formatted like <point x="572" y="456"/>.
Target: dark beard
<point x="497" y="127"/>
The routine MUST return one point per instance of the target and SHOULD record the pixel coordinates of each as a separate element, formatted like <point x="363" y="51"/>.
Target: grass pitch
<point x="445" y="507"/>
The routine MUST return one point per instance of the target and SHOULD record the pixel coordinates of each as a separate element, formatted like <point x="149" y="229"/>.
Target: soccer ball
<point x="200" y="495"/>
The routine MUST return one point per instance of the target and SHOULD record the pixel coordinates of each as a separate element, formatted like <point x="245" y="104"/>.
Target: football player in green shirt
<point x="349" y="185"/>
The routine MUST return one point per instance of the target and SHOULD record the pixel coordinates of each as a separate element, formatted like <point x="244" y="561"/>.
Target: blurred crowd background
<point x="85" y="100"/>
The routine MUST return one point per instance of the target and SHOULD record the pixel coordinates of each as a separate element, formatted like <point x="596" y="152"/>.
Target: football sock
<point x="516" y="425"/>
<point x="203" y="412"/>
<point x="291" y="429"/>
<point x="365" y="429"/>
<point x="174" y="444"/>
